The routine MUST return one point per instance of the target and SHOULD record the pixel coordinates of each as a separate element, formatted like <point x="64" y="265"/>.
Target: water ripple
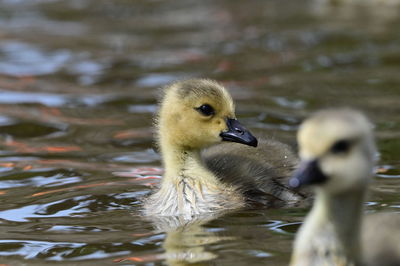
<point x="46" y="180"/>
<point x="50" y="99"/>
<point x="21" y="59"/>
<point x="146" y="156"/>
<point x="30" y="249"/>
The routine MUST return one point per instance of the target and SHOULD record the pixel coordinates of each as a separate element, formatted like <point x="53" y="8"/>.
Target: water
<point x="78" y="90"/>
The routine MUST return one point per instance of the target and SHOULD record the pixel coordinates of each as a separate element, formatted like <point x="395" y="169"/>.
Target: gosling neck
<point x="338" y="218"/>
<point x="179" y="162"/>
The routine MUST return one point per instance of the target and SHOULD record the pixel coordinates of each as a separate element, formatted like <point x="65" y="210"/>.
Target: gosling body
<point x="193" y="115"/>
<point x="198" y="115"/>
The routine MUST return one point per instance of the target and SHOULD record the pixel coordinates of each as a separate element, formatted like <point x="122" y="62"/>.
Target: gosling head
<point x="197" y="113"/>
<point x="337" y="151"/>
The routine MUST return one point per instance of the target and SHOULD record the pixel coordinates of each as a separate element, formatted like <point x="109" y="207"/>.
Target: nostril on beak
<point x="238" y="130"/>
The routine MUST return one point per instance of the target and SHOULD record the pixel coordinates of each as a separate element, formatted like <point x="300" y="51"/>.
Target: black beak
<point x="308" y="173"/>
<point x="238" y="133"/>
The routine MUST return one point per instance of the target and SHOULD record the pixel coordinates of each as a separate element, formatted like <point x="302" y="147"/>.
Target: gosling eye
<point x="205" y="110"/>
<point x="341" y="146"/>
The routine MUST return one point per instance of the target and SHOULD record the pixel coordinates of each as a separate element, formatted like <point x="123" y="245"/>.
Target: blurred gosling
<point x="338" y="151"/>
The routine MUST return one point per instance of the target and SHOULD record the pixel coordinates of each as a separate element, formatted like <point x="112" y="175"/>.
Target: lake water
<point x="79" y="81"/>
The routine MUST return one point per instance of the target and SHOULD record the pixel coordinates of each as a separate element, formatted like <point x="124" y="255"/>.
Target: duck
<point x="338" y="153"/>
<point x="212" y="162"/>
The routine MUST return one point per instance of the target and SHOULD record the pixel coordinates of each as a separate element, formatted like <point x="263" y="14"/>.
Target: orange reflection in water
<point x="22" y="147"/>
<point x="147" y="258"/>
<point x="138" y="133"/>
<point x="71" y="188"/>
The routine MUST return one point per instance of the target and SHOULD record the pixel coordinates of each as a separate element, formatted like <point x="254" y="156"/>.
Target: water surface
<point x="78" y="89"/>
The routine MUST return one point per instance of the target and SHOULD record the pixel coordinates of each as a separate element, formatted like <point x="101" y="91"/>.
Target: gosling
<point x="337" y="150"/>
<point x="194" y="115"/>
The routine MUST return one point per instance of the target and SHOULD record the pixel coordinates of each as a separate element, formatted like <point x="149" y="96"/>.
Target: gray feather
<point x="261" y="173"/>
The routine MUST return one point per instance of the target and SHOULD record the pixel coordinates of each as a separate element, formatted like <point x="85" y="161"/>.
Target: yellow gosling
<point x="194" y="116"/>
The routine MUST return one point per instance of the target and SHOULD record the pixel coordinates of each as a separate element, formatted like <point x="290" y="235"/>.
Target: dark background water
<point x="78" y="89"/>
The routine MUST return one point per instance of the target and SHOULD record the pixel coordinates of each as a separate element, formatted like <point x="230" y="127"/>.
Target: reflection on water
<point x="79" y="87"/>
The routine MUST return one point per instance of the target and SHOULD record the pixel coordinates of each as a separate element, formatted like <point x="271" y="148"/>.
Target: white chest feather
<point x="190" y="197"/>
